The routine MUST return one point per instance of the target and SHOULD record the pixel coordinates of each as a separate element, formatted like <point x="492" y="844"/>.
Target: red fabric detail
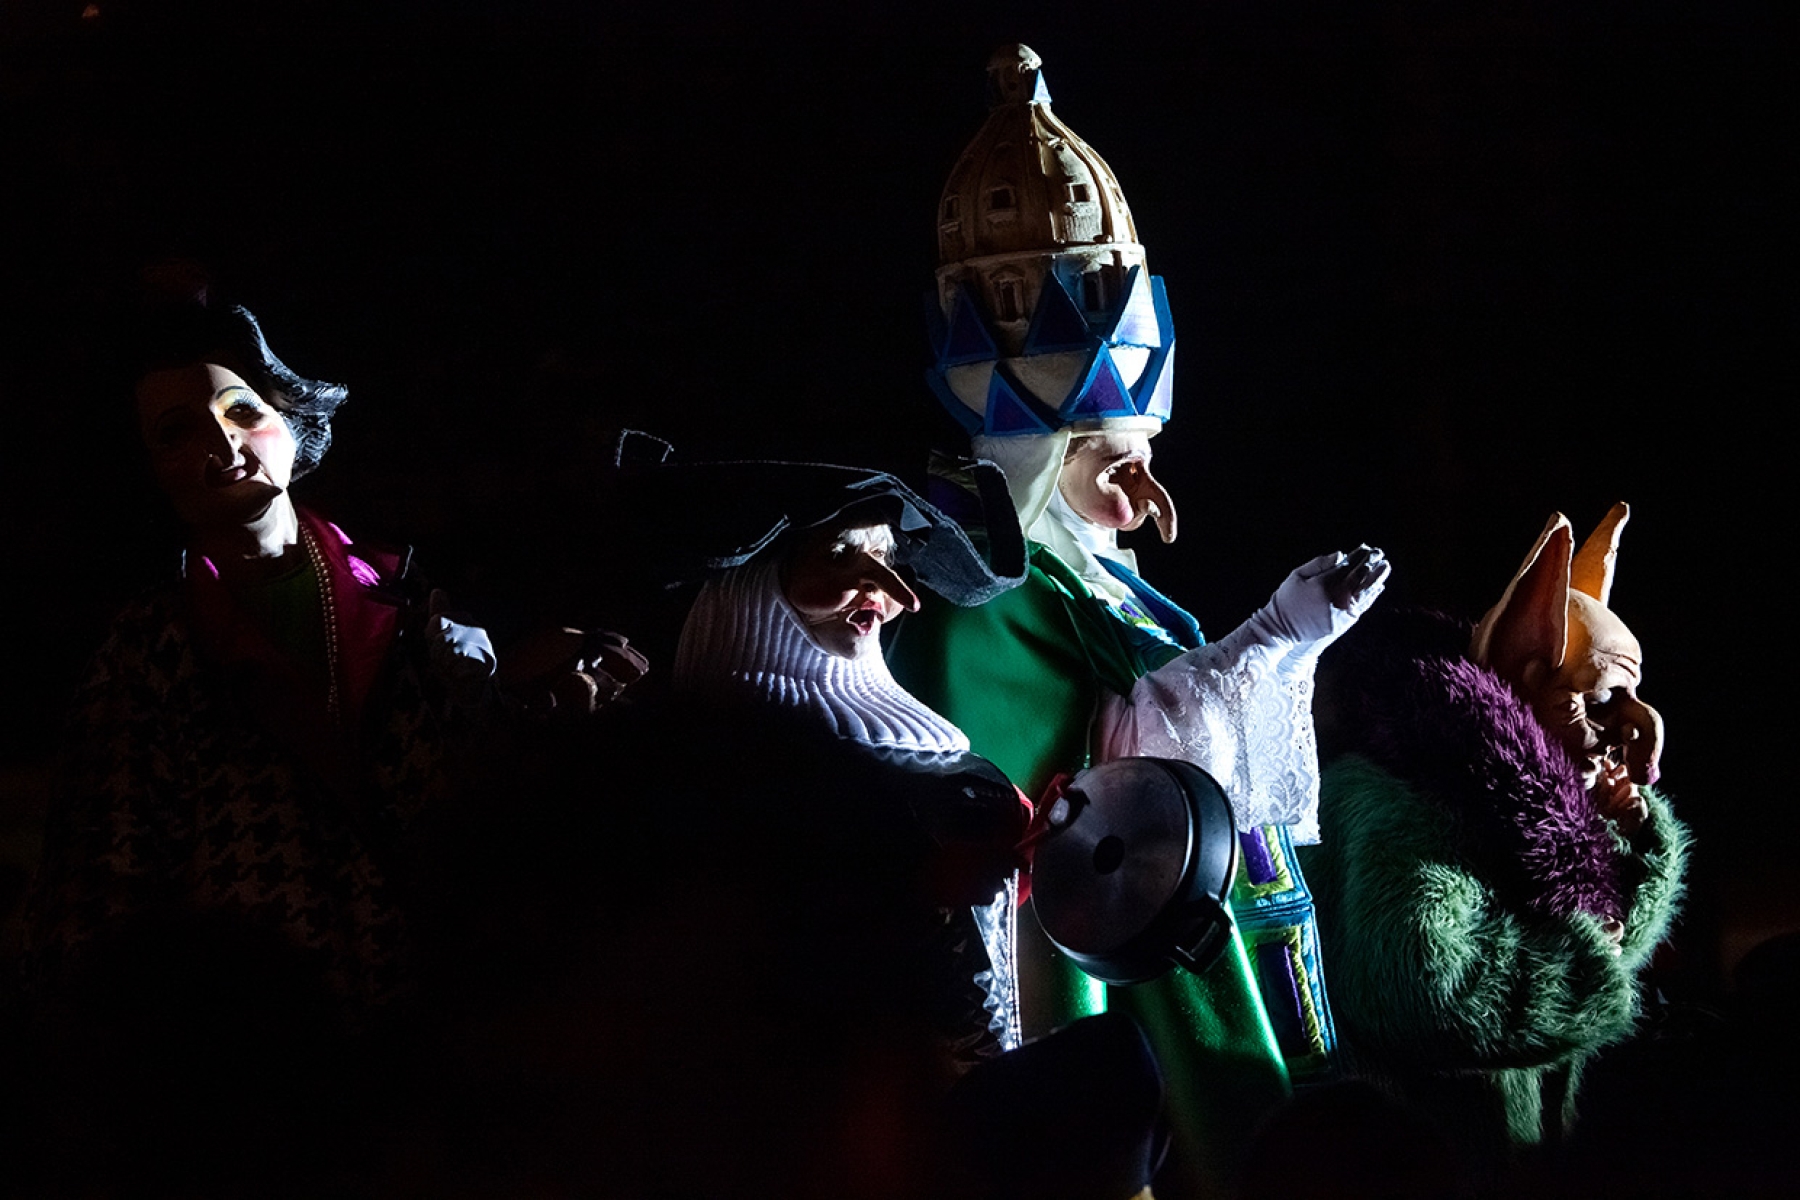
<point x="1037" y="827"/>
<point x="969" y="871"/>
<point x="366" y="620"/>
<point x="285" y="700"/>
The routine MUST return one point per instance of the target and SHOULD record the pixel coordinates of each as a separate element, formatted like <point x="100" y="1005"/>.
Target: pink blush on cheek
<point x="271" y="439"/>
<point x="274" y="447"/>
<point x="1119" y="510"/>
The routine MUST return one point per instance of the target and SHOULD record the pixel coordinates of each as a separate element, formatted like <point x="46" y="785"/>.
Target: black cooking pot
<point x="1133" y="872"/>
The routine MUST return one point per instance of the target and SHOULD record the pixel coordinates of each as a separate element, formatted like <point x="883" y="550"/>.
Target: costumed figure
<point x="254" y="742"/>
<point x="1495" y="867"/>
<point x="1055" y="352"/>
<point x="806" y="573"/>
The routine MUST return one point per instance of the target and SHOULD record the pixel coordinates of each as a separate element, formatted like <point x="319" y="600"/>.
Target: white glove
<point x="1318" y="602"/>
<point x="459" y="654"/>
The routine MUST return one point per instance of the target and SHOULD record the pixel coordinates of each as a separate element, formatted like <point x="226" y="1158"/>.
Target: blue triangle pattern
<point x="1155" y="394"/>
<point x="1102" y="394"/>
<point x="1109" y="327"/>
<point x="1010" y="414"/>
<point x="968" y="340"/>
<point x="1165" y="321"/>
<point x="1155" y="391"/>
<point x="1056" y="324"/>
<point x="971" y="422"/>
<point x="1138" y="323"/>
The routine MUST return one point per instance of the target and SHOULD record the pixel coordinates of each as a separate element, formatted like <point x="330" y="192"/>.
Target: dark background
<point x="1437" y="270"/>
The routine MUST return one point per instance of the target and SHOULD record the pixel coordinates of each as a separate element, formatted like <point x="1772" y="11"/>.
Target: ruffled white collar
<point x="742" y="639"/>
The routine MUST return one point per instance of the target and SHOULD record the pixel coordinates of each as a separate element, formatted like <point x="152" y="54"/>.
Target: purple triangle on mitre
<point x="1008" y="413"/>
<point x="968" y="339"/>
<point x="1102" y="395"/>
<point x="1056" y="323"/>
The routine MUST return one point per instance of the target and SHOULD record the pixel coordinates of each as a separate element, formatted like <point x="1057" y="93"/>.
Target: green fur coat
<point x="1484" y="924"/>
<point x="1479" y="1014"/>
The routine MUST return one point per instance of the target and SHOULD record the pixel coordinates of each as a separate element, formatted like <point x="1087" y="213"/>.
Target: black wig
<point x="183" y="334"/>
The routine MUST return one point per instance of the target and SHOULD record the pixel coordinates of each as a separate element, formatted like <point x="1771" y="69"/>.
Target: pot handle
<point x="1205" y="938"/>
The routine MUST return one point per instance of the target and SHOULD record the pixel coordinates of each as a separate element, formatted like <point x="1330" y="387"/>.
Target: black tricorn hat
<point x="703" y="518"/>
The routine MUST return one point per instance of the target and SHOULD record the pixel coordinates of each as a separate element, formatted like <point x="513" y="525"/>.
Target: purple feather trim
<point x="1399" y="691"/>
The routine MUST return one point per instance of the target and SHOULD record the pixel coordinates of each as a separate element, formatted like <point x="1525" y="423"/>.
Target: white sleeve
<point x="1240" y="710"/>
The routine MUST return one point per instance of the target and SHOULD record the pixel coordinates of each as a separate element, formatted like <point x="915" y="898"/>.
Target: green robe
<point x="1024" y="676"/>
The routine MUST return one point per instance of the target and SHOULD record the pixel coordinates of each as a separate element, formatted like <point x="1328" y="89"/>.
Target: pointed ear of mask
<point x="1530" y="625"/>
<point x="1592" y="572"/>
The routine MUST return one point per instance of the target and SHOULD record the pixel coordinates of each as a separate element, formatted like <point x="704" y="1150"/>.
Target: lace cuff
<point x="1241" y="713"/>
